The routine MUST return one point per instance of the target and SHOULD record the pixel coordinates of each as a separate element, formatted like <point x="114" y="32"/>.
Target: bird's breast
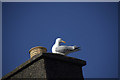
<point x="53" y="49"/>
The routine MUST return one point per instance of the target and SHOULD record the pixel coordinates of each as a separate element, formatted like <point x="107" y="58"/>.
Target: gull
<point x="63" y="49"/>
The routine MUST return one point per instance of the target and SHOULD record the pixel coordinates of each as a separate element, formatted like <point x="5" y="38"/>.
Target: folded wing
<point x="66" y="49"/>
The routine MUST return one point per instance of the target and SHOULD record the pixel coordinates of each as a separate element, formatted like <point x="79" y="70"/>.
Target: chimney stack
<point x="37" y="50"/>
<point x="47" y="66"/>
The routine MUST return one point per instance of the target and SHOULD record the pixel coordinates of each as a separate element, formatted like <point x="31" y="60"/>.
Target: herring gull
<point x="63" y="49"/>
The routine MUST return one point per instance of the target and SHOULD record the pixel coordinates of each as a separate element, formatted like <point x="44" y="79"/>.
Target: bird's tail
<point x="76" y="48"/>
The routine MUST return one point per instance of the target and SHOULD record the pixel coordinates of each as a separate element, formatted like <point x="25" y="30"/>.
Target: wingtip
<point x="77" y="48"/>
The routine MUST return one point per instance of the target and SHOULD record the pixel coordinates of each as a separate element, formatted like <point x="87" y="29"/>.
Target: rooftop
<point x="46" y="55"/>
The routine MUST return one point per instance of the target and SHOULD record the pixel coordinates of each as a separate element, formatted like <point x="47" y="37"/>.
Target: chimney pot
<point x="37" y="50"/>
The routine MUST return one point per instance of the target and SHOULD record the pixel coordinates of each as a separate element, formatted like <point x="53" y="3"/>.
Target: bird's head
<point x="60" y="40"/>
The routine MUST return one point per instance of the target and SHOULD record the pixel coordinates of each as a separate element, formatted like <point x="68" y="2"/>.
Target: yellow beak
<point x="63" y="41"/>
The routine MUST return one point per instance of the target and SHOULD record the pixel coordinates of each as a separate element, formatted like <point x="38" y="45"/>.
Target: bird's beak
<point x="63" y="41"/>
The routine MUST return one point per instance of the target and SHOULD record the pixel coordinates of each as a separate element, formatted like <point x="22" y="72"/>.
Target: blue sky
<point x="92" y="26"/>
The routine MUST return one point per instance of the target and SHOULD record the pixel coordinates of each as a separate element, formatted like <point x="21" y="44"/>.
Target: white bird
<point x="62" y="49"/>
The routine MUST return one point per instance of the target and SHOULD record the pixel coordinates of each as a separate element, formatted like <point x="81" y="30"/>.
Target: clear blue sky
<point x="92" y="26"/>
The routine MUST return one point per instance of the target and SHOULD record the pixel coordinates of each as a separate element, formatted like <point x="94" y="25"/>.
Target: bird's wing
<point x="64" y="49"/>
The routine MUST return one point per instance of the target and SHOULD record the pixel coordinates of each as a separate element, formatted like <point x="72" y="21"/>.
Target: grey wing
<point x="64" y="49"/>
